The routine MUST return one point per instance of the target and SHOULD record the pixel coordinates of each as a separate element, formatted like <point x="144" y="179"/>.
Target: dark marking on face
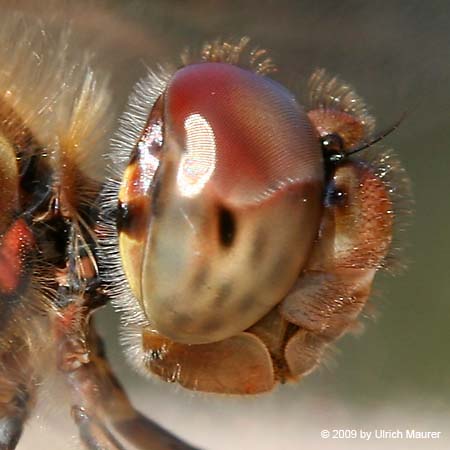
<point x="133" y="218"/>
<point x="123" y="217"/>
<point x="182" y="321"/>
<point x="200" y="278"/>
<point x="246" y="302"/>
<point x="227" y="227"/>
<point x="224" y="292"/>
<point x="259" y="247"/>
<point x="211" y="325"/>
<point x="278" y="269"/>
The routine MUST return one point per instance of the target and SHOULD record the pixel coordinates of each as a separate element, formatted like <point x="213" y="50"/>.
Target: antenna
<point x="378" y="138"/>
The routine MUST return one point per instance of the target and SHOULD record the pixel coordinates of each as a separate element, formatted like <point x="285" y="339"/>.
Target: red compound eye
<point x="236" y="203"/>
<point x="244" y="135"/>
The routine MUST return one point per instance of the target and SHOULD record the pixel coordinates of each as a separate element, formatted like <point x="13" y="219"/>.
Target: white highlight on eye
<point x="199" y="160"/>
<point x="148" y="164"/>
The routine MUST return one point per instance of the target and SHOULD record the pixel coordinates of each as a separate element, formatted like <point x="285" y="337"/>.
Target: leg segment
<point x="93" y="435"/>
<point x="105" y="417"/>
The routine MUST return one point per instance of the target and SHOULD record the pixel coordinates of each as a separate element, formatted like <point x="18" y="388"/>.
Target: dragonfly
<point x="236" y="231"/>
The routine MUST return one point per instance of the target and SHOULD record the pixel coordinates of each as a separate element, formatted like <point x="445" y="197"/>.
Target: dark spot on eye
<point x="210" y="325"/>
<point x="227" y="227"/>
<point x="278" y="270"/>
<point x="182" y="320"/>
<point x="223" y="293"/>
<point x="133" y="218"/>
<point x="246" y="302"/>
<point x="200" y="278"/>
<point x="259" y="246"/>
<point x="122" y="217"/>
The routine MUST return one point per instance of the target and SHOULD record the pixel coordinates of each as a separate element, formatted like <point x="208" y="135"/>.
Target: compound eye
<point x="238" y="194"/>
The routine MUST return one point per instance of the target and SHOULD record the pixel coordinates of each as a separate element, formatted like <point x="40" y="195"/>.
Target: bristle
<point x="51" y="87"/>
<point x="237" y="53"/>
<point x="132" y="123"/>
<point x="387" y="167"/>
<point x="328" y="92"/>
<point x="86" y="119"/>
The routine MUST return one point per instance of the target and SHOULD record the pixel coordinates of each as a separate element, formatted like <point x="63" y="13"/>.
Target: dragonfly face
<point x="238" y="233"/>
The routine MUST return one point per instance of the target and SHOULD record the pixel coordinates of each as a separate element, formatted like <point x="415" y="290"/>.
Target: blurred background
<point x="395" y="375"/>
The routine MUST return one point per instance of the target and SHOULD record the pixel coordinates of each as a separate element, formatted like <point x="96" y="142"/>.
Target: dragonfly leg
<point x="93" y="434"/>
<point x="104" y="414"/>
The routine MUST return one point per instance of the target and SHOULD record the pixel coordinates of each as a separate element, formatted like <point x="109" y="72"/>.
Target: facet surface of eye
<point x="245" y="130"/>
<point x="235" y="203"/>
